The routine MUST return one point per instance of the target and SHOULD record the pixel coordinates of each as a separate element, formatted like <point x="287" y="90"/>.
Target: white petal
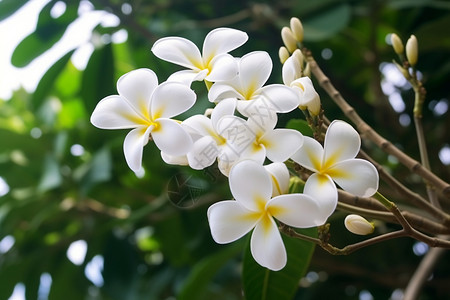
<point x="282" y="98"/>
<point x="186" y="77"/>
<point x="309" y="155"/>
<point x="253" y="152"/>
<point x="226" y="160"/>
<point x="137" y="87"/>
<point x="199" y="124"/>
<point x="297" y="210"/>
<point x="114" y="112"/>
<point x="282" y="143"/>
<point x="289" y="71"/>
<point x="341" y="142"/>
<point x="171" y="138"/>
<point x="222" y="67"/>
<point x="323" y="190"/>
<point x="171" y="99"/>
<point x="225" y="107"/>
<point x="250" y="185"/>
<point x="261" y="118"/>
<point x="279" y="174"/>
<point x="179" y="51"/>
<point x="174" y="160"/>
<point x="133" y="146"/>
<point x="229" y="221"/>
<point x="222" y="40"/>
<point x="266" y="245"/>
<point x="220" y="91"/>
<point x="356" y="176"/>
<point x="203" y="153"/>
<point x="237" y="132"/>
<point x="254" y="71"/>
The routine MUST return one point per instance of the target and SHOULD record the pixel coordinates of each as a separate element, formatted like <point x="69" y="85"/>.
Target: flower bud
<point x="288" y="39"/>
<point x="412" y="50"/>
<point x="397" y="44"/>
<point x="358" y="225"/>
<point x="297" y="29"/>
<point x="283" y="54"/>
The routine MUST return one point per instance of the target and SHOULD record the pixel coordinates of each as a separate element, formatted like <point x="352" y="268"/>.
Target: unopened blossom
<point x="254" y="208"/>
<point x="336" y="161"/>
<point x="248" y="87"/>
<point x="147" y="108"/>
<point x="297" y="29"/>
<point x="397" y="43"/>
<point x="288" y="39"/>
<point x="412" y="50"/>
<point x="213" y="64"/>
<point x="358" y="225"/>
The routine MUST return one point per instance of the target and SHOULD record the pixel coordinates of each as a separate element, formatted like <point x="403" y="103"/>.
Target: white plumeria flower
<point x="146" y="107"/>
<point x="214" y="64"/>
<point x="303" y="86"/>
<point x="253" y="207"/>
<point x="336" y="161"/>
<point x="209" y="144"/>
<point x="258" y="139"/>
<point x="253" y="71"/>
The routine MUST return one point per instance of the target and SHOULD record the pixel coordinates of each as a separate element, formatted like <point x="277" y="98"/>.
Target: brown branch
<point x="413" y="165"/>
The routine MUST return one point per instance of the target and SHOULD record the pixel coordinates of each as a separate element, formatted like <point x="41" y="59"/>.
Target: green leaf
<point x="98" y="77"/>
<point x="9" y="7"/>
<point x="402" y="4"/>
<point x="327" y="23"/>
<point x="431" y="35"/>
<point x="47" y="81"/>
<point x="262" y="283"/>
<point x="49" y="30"/>
<point x="98" y="169"/>
<point x="52" y="177"/>
<point x="201" y="275"/>
<point x="300" y="125"/>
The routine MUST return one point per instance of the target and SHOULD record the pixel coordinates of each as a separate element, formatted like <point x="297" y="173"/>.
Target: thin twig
<point x="441" y="186"/>
<point x="423" y="272"/>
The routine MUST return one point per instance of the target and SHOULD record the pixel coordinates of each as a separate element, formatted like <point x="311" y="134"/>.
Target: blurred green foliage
<point x="68" y="181"/>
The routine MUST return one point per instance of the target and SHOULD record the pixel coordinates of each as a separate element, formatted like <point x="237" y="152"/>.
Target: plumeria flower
<point x="302" y="85"/>
<point x="259" y="138"/>
<point x="336" y="161"/>
<point x="213" y="64"/>
<point x="254" y="208"/>
<point x="146" y="107"/>
<point x="248" y="87"/>
<point x="209" y="144"/>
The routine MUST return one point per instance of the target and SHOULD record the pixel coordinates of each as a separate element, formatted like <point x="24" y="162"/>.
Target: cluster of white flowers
<point x="240" y="134"/>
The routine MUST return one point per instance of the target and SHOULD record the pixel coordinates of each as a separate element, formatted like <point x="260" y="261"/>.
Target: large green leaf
<point x="48" y="80"/>
<point x="327" y="23"/>
<point x="9" y="7"/>
<point x="203" y="272"/>
<point x="49" y="30"/>
<point x="262" y="283"/>
<point x="98" y="77"/>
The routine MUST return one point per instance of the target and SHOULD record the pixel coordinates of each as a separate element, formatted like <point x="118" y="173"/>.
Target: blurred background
<point x="77" y="223"/>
